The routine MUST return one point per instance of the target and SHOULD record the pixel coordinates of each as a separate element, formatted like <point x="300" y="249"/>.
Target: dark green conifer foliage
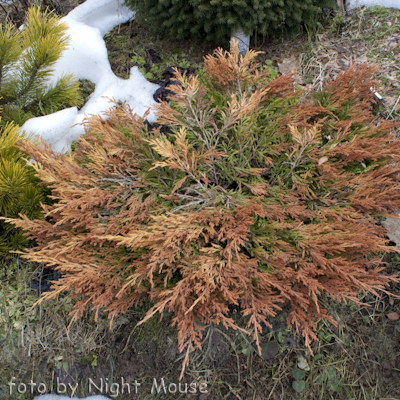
<point x="216" y="20"/>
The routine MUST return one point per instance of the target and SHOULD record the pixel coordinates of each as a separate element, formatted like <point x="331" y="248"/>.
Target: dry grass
<point x="363" y="35"/>
<point x="357" y="360"/>
<point x="15" y="11"/>
<point x="36" y="342"/>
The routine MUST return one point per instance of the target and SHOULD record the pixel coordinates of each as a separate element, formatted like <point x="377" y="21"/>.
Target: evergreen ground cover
<point x="358" y="359"/>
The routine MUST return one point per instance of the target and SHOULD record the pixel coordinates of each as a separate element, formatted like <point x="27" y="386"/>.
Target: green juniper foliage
<point x="27" y="58"/>
<point x="217" y="19"/>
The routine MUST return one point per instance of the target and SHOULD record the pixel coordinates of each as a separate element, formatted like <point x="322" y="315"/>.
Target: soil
<point x="147" y="357"/>
<point x="131" y="39"/>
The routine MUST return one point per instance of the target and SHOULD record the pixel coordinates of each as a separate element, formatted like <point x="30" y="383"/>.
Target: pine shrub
<point x="249" y="193"/>
<point x="20" y="191"/>
<point x="27" y="58"/>
<point x="217" y="20"/>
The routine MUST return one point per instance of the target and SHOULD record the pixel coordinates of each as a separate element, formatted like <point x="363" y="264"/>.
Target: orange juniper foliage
<point x="260" y="196"/>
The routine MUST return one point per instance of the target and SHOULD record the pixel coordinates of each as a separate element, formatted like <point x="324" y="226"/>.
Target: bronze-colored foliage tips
<point x="260" y="196"/>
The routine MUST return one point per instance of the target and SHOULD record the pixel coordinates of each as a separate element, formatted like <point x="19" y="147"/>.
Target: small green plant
<point x="246" y="348"/>
<point x="276" y="342"/>
<point x="329" y="378"/>
<point x="16" y="300"/>
<point x="268" y="67"/>
<point x="139" y="60"/>
<point x="298" y="384"/>
<point x="59" y="363"/>
<point x="153" y="72"/>
<point x="94" y="361"/>
<point x="337" y="22"/>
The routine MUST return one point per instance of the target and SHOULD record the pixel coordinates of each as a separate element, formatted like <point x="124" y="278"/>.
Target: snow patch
<point x="102" y="14"/>
<point x="86" y="56"/>
<point x="350" y="4"/>
<point x="54" y="128"/>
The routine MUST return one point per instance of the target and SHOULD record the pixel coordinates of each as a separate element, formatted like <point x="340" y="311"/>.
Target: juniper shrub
<point x="257" y="195"/>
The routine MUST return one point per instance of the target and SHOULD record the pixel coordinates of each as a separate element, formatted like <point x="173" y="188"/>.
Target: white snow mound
<point x="350" y="4"/>
<point x="54" y="128"/>
<point x="86" y="55"/>
<point x="102" y="14"/>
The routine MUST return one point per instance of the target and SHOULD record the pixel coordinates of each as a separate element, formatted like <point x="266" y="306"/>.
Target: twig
<point x="234" y="349"/>
<point x="393" y="108"/>
<point x="193" y="203"/>
<point x="129" y="337"/>
<point x="232" y="391"/>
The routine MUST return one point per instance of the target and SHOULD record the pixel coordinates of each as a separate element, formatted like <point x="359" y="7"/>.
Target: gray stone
<point x="393" y="227"/>
<point x="243" y="41"/>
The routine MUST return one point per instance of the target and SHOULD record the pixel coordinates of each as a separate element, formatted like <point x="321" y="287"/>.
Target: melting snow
<point x="369" y="3"/>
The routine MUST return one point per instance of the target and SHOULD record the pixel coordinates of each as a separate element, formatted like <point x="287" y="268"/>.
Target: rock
<point x="393" y="227"/>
